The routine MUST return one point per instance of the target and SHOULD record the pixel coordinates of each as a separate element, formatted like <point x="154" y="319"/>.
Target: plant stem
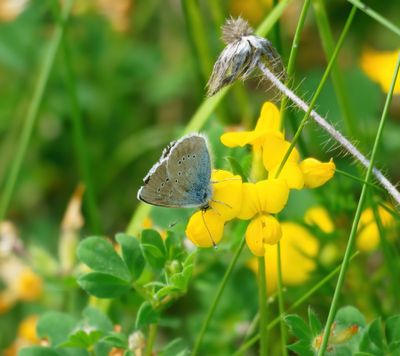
<point x="372" y="185"/>
<point x="294" y="306"/>
<point x="281" y="301"/>
<point x="80" y="145"/>
<point x="262" y="301"/>
<point x="337" y="78"/>
<point x="372" y="13"/>
<point x="151" y="339"/>
<point x="33" y="111"/>
<point x="293" y="55"/>
<point x="217" y="297"/>
<point x="309" y="108"/>
<point x="350" y="243"/>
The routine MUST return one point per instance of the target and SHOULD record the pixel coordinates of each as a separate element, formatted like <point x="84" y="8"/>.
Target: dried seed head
<point x="235" y="29"/>
<point x="241" y="56"/>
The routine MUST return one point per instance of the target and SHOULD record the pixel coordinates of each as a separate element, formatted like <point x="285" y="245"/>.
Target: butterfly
<point x="182" y="176"/>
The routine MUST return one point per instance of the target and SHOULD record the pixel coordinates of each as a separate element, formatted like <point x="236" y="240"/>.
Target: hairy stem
<point x="335" y="134"/>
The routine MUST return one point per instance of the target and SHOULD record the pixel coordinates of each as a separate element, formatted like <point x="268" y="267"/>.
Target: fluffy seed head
<point x="234" y="29"/>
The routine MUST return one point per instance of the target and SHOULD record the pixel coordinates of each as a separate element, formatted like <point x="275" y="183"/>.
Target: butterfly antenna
<point x="209" y="233"/>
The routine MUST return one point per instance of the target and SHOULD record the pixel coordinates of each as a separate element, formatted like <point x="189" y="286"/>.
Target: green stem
<point x="281" y="301"/>
<point x="262" y="301"/>
<point x="337" y="78"/>
<point x="320" y="87"/>
<point x="372" y="185"/>
<point x="293" y="55"/>
<point x="350" y="243"/>
<point x="389" y="25"/>
<point x="80" y="145"/>
<point x="151" y="339"/>
<point x="294" y="306"/>
<point x="204" y="111"/>
<point x="33" y="111"/>
<point x="277" y="33"/>
<point x="217" y="297"/>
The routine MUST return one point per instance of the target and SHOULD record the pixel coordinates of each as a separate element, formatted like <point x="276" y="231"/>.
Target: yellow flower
<point x="316" y="173"/>
<point x="27" y="329"/>
<point x="379" y="66"/>
<point x="252" y="10"/>
<point x="268" y="139"/>
<point x="319" y="216"/>
<point x="368" y="235"/>
<point x="298" y="251"/>
<point x="29" y="285"/>
<point x="259" y="201"/>
<point x="206" y="227"/>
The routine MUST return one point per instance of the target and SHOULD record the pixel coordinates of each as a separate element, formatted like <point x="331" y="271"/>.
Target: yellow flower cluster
<point x="257" y="201"/>
<point x="368" y="234"/>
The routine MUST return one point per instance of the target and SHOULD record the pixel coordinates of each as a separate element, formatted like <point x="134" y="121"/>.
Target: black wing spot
<point x="194" y="156"/>
<point x="179" y="173"/>
<point x="179" y="162"/>
<point x="183" y="158"/>
<point x="176" y="181"/>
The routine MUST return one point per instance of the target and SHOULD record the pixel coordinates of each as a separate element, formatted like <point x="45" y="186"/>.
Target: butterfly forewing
<point x="182" y="176"/>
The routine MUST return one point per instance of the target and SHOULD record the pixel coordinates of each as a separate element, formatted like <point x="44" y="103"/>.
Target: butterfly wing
<point x="189" y="168"/>
<point x="182" y="176"/>
<point x="159" y="189"/>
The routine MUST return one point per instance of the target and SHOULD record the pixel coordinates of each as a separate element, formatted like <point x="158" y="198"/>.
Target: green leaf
<point x="360" y="353"/>
<point x="298" y="327"/>
<point x="313" y="321"/>
<point x="146" y="315"/>
<point x="55" y="327"/>
<point x="94" y="318"/>
<point x="392" y="329"/>
<point x="368" y="339"/>
<point x="394" y="347"/>
<point x="236" y="167"/>
<point x="103" y="285"/>
<point x="83" y="339"/>
<point x="132" y="254"/>
<point x="375" y="334"/>
<point x="173" y="246"/>
<point x="117" y="340"/>
<point x="37" y="351"/>
<point x="99" y="254"/>
<point x="178" y="280"/>
<point x="174" y="348"/>
<point x="350" y="315"/>
<point x="153" y="248"/>
<point x="301" y="347"/>
<point x="165" y="291"/>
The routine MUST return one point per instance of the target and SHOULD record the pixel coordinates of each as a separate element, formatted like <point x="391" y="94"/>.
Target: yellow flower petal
<point x="316" y="173"/>
<point x="250" y="202"/>
<point x="368" y="238"/>
<point x="270" y="118"/>
<point x="298" y="251"/>
<point x="264" y="229"/>
<point x="273" y="195"/>
<point x="319" y="216"/>
<point x="240" y="139"/>
<point x="227" y="194"/>
<point x="29" y="285"/>
<point x="292" y="173"/>
<point x="379" y="66"/>
<point x="203" y="230"/>
<point x="275" y="148"/>
<point x="27" y="329"/>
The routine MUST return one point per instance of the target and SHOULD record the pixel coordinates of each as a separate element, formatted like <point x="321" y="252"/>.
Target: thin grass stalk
<point x="80" y="145"/>
<point x="281" y="302"/>
<point x="33" y="111"/>
<point x="321" y="84"/>
<point x="390" y="258"/>
<point x="360" y="180"/>
<point x="293" y="56"/>
<point x="204" y="112"/>
<point x="151" y="339"/>
<point x="245" y="346"/>
<point x="217" y="297"/>
<point x="376" y="16"/>
<point x="337" y="78"/>
<point x="350" y="243"/>
<point x="262" y="302"/>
